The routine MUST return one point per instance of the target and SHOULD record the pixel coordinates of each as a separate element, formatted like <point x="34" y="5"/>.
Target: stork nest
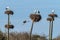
<point x="53" y="15"/>
<point x="9" y="12"/>
<point x="35" y="17"/>
<point x="50" y="19"/>
<point x="9" y="26"/>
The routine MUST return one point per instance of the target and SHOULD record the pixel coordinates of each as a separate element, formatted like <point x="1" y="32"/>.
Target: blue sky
<point x="23" y="8"/>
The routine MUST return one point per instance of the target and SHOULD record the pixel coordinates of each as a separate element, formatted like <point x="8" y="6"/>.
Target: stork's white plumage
<point x="53" y="10"/>
<point x="7" y="8"/>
